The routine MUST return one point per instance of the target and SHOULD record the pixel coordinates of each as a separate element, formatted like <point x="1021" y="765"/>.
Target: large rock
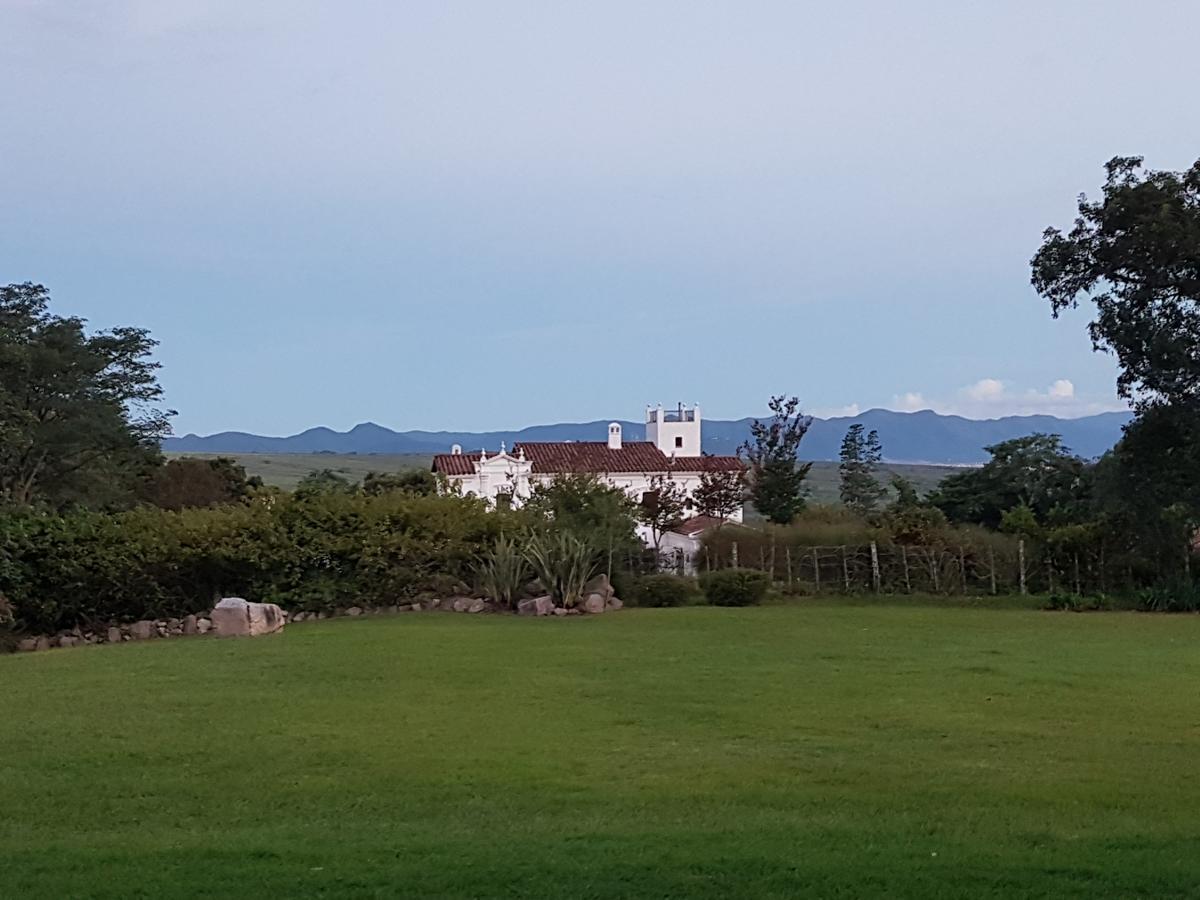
<point x="204" y="625"/>
<point x="113" y="635"/>
<point x="599" y="585"/>
<point x="144" y="630"/>
<point x="536" y="606"/>
<point x="614" y="603"/>
<point x="43" y="643"/>
<point x="593" y="603"/>
<point x="460" y="604"/>
<point x="235" y="617"/>
<point x="354" y="611"/>
<point x="68" y="640"/>
<point x="189" y="625"/>
<point x="27" y="645"/>
<point x="477" y="605"/>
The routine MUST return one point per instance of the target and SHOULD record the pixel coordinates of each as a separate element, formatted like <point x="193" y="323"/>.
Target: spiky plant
<point x="503" y="570"/>
<point x="563" y="563"/>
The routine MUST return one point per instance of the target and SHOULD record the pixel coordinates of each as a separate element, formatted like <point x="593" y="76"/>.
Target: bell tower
<point x="676" y="432"/>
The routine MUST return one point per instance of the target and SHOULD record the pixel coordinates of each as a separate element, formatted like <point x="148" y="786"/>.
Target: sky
<point x="488" y="215"/>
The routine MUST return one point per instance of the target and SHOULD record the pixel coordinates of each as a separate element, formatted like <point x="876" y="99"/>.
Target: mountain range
<point x="908" y="437"/>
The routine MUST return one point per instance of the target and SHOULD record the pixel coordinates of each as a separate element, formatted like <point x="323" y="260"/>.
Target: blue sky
<point x="480" y="215"/>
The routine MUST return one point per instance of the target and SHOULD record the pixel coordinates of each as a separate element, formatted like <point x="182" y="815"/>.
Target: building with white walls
<point x="671" y="449"/>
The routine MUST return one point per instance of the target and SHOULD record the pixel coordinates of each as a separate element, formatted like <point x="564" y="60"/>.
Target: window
<point x="678" y="441"/>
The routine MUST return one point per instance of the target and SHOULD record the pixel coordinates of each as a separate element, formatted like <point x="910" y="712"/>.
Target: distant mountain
<point x="916" y="437"/>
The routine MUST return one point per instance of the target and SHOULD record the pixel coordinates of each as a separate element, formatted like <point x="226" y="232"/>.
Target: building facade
<point x="671" y="449"/>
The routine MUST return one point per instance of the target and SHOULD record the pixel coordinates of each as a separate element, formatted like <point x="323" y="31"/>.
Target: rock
<point x="573" y="612"/>
<point x="299" y="617"/>
<point x="234" y="617"/>
<point x="143" y="630"/>
<point x="354" y="611"/>
<point x="559" y="611"/>
<point x="536" y="606"/>
<point x="173" y="624"/>
<point x="27" y="645"/>
<point x="68" y="640"/>
<point x="599" y="585"/>
<point x="113" y="635"/>
<point x="477" y="606"/>
<point x="43" y="643"/>
<point x="189" y="626"/>
<point x="593" y="604"/>
<point x="460" y="604"/>
<point x="204" y="625"/>
<point x="614" y="603"/>
<point x="416" y="607"/>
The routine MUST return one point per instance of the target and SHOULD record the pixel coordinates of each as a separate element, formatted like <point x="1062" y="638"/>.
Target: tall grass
<point x="563" y="563"/>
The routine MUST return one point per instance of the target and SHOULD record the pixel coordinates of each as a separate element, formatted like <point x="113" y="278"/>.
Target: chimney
<point x="614" y="435"/>
<point x="456" y="450"/>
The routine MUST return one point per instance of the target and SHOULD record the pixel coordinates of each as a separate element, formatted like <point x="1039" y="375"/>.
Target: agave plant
<point x="563" y="563"/>
<point x="503" y="571"/>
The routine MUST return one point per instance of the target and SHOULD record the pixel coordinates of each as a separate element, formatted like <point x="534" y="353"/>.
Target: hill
<point x="908" y="437"/>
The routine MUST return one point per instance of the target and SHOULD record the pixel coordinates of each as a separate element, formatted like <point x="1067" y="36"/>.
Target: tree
<point x="860" y="458"/>
<point x="186" y="483"/>
<point x="662" y="507"/>
<point x="323" y="481"/>
<point x="777" y="486"/>
<point x="413" y="481"/>
<point x="721" y="492"/>
<point x="587" y="507"/>
<point x="1036" y="471"/>
<point x="78" y="422"/>
<point x="1136" y="255"/>
<point x="909" y="520"/>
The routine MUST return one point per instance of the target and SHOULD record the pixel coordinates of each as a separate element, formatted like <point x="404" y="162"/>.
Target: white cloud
<point x="838" y="412"/>
<point x="990" y="398"/>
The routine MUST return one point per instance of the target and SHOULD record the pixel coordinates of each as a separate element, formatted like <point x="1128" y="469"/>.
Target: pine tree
<point x="860" y="456"/>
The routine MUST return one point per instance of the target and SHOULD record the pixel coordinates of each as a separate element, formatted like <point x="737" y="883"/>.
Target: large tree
<point x="78" y="416"/>
<point x="1135" y="253"/>
<point x="721" y="492"/>
<point x="777" y="477"/>
<point x="859" y="460"/>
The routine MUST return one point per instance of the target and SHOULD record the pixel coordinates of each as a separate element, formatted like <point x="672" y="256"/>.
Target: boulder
<point x="27" y="645"/>
<point x="460" y="604"/>
<point x="614" y="603"/>
<point x="43" y="643"/>
<point x="476" y="606"/>
<point x="68" y="640"/>
<point x="536" y="606"/>
<point x="189" y="626"/>
<point x="559" y="611"/>
<point x="204" y="625"/>
<point x="593" y="604"/>
<point x="143" y="630"/>
<point x="599" y="585"/>
<point x="113" y="636"/>
<point x="416" y="607"/>
<point x="354" y="611"/>
<point x="298" y="617"/>
<point x="234" y="617"/>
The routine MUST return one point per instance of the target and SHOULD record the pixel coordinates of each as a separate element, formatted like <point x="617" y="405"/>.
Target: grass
<point x="819" y="749"/>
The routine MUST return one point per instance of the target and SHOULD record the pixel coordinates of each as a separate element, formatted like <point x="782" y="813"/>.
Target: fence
<point x="1010" y="567"/>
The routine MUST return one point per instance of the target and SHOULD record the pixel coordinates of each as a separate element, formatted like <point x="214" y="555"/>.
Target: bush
<point x="1074" y="602"/>
<point x="1177" y="595"/>
<point x="736" y="587"/>
<point x="665" y="590"/>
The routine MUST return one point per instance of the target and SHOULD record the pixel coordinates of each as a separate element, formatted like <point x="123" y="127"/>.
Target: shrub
<point x="504" y="571"/>
<point x="665" y="590"/>
<point x="563" y="564"/>
<point x="736" y="587"/>
<point x="1176" y="595"/>
<point x="1074" y="602"/>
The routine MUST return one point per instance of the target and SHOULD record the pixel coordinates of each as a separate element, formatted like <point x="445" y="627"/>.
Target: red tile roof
<point x="697" y="525"/>
<point x="594" y="457"/>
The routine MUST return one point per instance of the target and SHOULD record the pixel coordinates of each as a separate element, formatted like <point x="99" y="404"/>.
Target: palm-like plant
<point x="503" y="571"/>
<point x="563" y="563"/>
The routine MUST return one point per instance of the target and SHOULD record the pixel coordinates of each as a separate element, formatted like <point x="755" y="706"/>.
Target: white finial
<point x="502" y="448"/>
<point x="482" y="453"/>
<point x="521" y="454"/>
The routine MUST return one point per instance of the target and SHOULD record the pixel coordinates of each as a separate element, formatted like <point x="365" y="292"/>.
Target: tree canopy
<point x="78" y="420"/>
<point x="1136" y="254"/>
<point x="859" y="459"/>
<point x="777" y="477"/>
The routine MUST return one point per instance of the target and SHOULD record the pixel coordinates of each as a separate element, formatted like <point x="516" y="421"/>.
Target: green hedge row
<point x="308" y="553"/>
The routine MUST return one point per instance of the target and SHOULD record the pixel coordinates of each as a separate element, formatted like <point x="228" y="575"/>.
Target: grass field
<point x="818" y="750"/>
<point x="286" y="469"/>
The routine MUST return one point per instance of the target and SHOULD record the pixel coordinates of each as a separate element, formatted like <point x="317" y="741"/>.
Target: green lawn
<point x="818" y="750"/>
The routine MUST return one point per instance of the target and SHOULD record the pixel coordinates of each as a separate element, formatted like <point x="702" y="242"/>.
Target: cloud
<point x="838" y="412"/>
<point x="990" y="398"/>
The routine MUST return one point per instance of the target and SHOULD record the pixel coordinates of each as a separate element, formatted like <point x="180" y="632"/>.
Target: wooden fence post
<point x="733" y="553"/>
<point x="904" y="558"/>
<point x="816" y="569"/>
<point x="962" y="567"/>
<point x="1021" y="565"/>
<point x="787" y="557"/>
<point x="1078" y="589"/>
<point x="875" y="566"/>
<point x="845" y="569"/>
<point x="933" y="573"/>
<point x="992" y="567"/>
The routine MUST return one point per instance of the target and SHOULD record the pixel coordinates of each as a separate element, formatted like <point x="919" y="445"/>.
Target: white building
<point x="671" y="448"/>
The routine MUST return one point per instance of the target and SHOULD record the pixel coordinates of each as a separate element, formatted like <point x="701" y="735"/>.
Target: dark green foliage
<point x="1066" y="602"/>
<point x="663" y="507"/>
<point x="1136" y="255"/>
<point x="911" y="521"/>
<point x="415" y="481"/>
<point x="1174" y="595"/>
<point x="859" y="460"/>
<point x="185" y="483"/>
<point x="588" y="507"/>
<point x="1037" y="472"/>
<point x="777" y="486"/>
<point x="77" y="419"/>
<point x="664" y="590"/>
<point x="720" y="494"/>
<point x="735" y="587"/>
<point x="324" y="481"/>
<point x="310" y="552"/>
